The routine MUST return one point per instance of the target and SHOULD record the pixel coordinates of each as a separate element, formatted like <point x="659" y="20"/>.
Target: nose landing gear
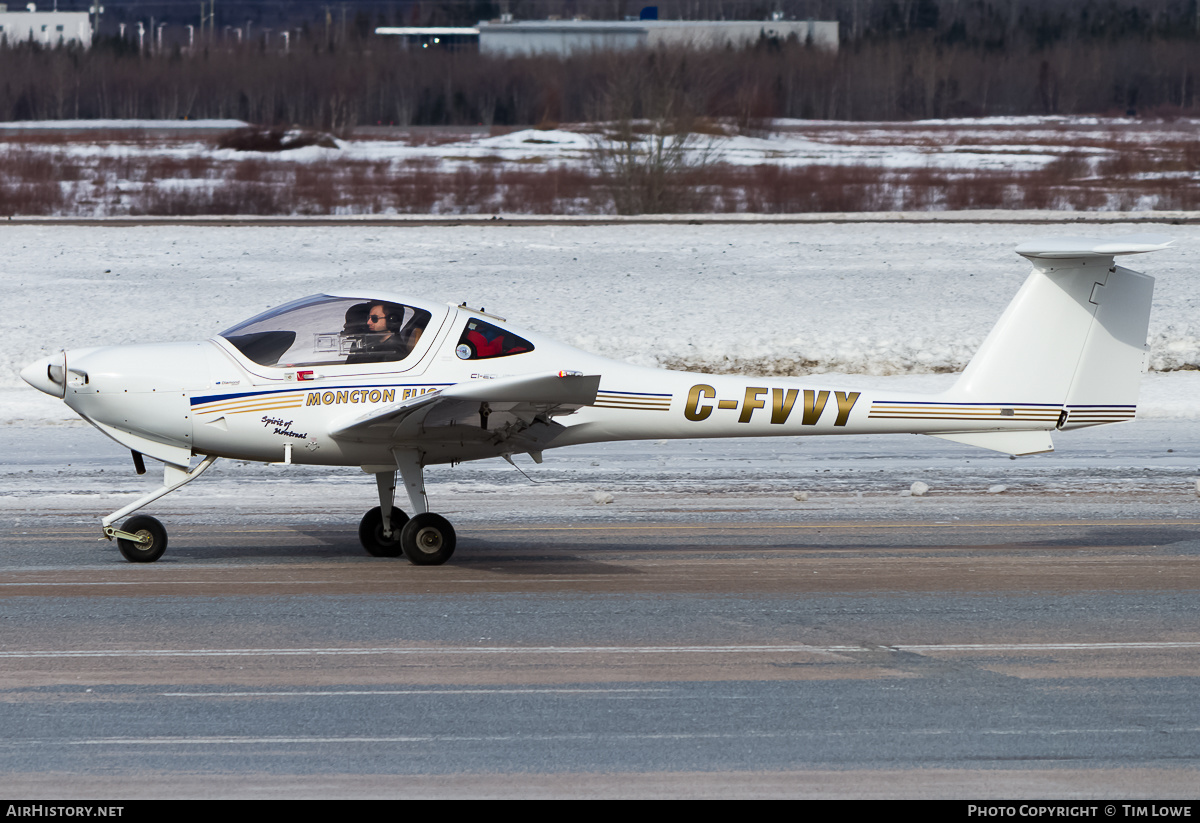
<point x="143" y="539"/>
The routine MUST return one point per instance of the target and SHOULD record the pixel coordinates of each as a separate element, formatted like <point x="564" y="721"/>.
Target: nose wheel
<point x="142" y="539"/>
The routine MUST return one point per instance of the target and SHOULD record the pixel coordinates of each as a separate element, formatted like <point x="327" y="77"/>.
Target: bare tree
<point x="649" y="148"/>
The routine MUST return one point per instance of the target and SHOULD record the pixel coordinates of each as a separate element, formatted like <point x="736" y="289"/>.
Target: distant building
<point x="50" y="28"/>
<point x="440" y="37"/>
<point x="567" y="36"/>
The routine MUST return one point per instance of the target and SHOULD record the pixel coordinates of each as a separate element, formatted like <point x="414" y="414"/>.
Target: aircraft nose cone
<point x="48" y="375"/>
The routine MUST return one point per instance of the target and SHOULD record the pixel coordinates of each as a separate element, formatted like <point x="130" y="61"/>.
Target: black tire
<point x="428" y="539"/>
<point x="143" y="526"/>
<point x="370" y="532"/>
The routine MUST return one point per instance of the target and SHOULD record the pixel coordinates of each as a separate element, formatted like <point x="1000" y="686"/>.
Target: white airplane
<point x="394" y="384"/>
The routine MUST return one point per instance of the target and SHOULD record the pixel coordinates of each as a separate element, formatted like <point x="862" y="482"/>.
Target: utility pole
<point x="212" y="19"/>
<point x="94" y="12"/>
<point x="208" y="17"/>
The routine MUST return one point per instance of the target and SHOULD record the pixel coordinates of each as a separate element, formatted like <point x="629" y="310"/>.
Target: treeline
<point x="900" y="78"/>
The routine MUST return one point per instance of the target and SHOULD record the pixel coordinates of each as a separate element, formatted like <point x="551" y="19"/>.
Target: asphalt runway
<point x="658" y="658"/>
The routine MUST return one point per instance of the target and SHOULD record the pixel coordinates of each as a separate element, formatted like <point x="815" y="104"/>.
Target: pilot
<point x="377" y="324"/>
<point x="384" y="340"/>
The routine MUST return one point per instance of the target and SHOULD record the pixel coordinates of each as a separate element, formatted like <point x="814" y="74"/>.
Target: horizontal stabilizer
<point x="1015" y="443"/>
<point x="1075" y="248"/>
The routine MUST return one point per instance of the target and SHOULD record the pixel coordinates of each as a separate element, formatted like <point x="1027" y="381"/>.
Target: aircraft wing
<point x="506" y="412"/>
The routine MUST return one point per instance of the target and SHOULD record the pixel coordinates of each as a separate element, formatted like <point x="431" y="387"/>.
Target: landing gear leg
<point x="427" y="539"/>
<point x="143" y="539"/>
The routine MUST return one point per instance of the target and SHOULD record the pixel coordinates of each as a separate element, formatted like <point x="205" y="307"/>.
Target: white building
<point x="50" y="28"/>
<point x="508" y="38"/>
<point x="567" y="36"/>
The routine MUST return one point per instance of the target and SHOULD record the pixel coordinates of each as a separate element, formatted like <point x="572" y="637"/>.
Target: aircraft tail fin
<point x="1074" y="337"/>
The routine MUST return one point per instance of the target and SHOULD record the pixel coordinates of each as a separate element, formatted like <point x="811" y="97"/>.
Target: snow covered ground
<point x="142" y="167"/>
<point x="888" y="304"/>
<point x="1008" y="143"/>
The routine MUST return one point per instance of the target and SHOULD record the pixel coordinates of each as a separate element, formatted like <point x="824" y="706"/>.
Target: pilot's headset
<point x="395" y="316"/>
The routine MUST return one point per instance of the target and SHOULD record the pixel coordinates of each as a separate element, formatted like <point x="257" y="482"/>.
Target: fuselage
<point x="211" y="397"/>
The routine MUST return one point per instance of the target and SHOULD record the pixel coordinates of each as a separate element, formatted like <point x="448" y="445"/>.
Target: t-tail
<point x="1068" y="352"/>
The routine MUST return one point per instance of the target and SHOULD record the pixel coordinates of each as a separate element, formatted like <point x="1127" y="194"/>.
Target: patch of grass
<point x="169" y="167"/>
<point x="229" y="198"/>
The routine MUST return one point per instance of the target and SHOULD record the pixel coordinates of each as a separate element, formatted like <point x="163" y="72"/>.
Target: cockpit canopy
<point x="321" y="330"/>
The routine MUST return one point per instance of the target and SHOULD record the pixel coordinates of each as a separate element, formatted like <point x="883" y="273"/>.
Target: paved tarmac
<point x="659" y="658"/>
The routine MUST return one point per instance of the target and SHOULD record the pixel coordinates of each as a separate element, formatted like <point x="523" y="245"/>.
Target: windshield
<point x="323" y="330"/>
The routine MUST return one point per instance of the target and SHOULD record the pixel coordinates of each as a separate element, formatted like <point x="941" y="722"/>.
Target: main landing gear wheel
<point x="428" y="539"/>
<point x="150" y="531"/>
<point x="370" y="532"/>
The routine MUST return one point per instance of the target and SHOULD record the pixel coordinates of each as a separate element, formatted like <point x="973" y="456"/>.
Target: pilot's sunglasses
<point x="375" y="318"/>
